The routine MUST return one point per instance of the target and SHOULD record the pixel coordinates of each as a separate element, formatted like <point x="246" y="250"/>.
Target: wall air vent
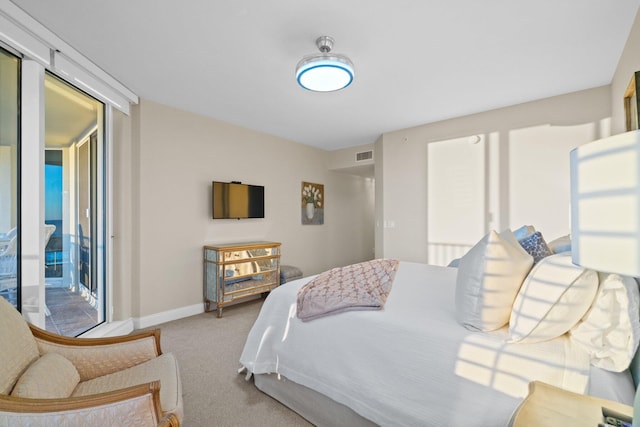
<point x="364" y="155"/>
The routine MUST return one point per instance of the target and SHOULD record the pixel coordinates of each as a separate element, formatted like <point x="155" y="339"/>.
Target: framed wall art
<point x="631" y="103"/>
<point x="312" y="203"/>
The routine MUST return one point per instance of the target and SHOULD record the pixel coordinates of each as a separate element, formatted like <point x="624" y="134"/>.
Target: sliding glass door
<point x="56" y="121"/>
<point x="74" y="191"/>
<point x="72" y="298"/>
<point x="9" y="176"/>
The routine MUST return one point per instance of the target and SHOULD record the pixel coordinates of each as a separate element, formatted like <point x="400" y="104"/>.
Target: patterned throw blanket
<point x="363" y="286"/>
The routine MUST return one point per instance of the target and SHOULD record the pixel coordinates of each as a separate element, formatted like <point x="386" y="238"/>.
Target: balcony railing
<point x="440" y="253"/>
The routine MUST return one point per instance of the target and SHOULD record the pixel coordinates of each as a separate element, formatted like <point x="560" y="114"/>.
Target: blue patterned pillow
<point x="536" y="246"/>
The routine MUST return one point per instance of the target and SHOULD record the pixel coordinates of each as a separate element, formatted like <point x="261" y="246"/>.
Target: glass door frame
<point x="98" y="215"/>
<point x="32" y="202"/>
<point x="14" y="204"/>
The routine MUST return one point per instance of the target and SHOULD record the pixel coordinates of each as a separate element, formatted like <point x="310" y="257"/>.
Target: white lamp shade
<point x="605" y="204"/>
<point x="324" y="73"/>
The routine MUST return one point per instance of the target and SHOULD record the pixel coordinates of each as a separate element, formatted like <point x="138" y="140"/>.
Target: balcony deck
<point x="70" y="313"/>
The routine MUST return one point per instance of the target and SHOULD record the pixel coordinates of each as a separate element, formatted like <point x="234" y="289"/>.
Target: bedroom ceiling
<point x="416" y="61"/>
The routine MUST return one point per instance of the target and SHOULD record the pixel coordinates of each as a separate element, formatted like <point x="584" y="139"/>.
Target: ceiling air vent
<point x="364" y="155"/>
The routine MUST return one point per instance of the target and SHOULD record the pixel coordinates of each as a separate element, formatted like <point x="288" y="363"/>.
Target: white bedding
<point x="410" y="363"/>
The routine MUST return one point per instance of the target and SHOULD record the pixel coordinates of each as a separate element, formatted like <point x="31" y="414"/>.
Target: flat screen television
<point x="234" y="200"/>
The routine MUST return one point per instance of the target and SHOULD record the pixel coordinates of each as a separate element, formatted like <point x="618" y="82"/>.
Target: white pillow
<point x="561" y="244"/>
<point x="553" y="298"/>
<point x="610" y="330"/>
<point x="489" y="276"/>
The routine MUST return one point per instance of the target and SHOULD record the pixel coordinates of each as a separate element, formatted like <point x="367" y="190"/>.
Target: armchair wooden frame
<point x="141" y="346"/>
<point x="41" y="334"/>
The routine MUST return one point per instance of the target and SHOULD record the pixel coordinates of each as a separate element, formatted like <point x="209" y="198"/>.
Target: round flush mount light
<point x="324" y="71"/>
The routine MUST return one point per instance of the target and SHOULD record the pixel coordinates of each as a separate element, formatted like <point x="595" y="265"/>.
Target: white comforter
<point x="411" y="363"/>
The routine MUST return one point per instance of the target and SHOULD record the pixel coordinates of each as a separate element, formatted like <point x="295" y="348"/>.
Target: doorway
<point x="74" y="293"/>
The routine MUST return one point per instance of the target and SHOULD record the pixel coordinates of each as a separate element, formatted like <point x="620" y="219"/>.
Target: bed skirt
<point x="316" y="408"/>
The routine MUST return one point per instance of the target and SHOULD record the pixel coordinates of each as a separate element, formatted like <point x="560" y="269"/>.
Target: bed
<point x="411" y="363"/>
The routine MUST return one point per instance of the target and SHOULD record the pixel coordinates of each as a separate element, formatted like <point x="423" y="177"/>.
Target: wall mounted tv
<point x="236" y="200"/>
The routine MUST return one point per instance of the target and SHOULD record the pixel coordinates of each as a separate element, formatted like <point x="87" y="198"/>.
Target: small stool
<point x="289" y="273"/>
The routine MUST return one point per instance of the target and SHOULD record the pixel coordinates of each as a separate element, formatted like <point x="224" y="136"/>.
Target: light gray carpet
<point x="208" y="350"/>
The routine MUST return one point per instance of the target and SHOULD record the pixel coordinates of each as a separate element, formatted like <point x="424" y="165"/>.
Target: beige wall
<point x="379" y="196"/>
<point x="529" y="145"/>
<point x="345" y="160"/>
<point x="162" y="208"/>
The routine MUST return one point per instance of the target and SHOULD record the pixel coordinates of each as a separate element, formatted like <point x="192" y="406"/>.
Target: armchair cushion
<point x="18" y="348"/>
<point x="113" y="357"/>
<point x="50" y="377"/>
<point x="163" y="368"/>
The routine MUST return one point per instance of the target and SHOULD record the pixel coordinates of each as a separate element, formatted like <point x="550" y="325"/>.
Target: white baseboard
<point x="111" y="329"/>
<point x="167" y="316"/>
<point x="124" y="327"/>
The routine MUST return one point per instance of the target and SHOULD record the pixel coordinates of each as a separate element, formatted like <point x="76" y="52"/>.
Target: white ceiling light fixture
<point x="324" y="72"/>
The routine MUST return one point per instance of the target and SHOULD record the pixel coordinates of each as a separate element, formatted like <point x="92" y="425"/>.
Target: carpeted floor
<point x="208" y="349"/>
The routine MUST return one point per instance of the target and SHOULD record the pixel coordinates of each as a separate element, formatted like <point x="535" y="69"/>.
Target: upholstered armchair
<point x="47" y="379"/>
